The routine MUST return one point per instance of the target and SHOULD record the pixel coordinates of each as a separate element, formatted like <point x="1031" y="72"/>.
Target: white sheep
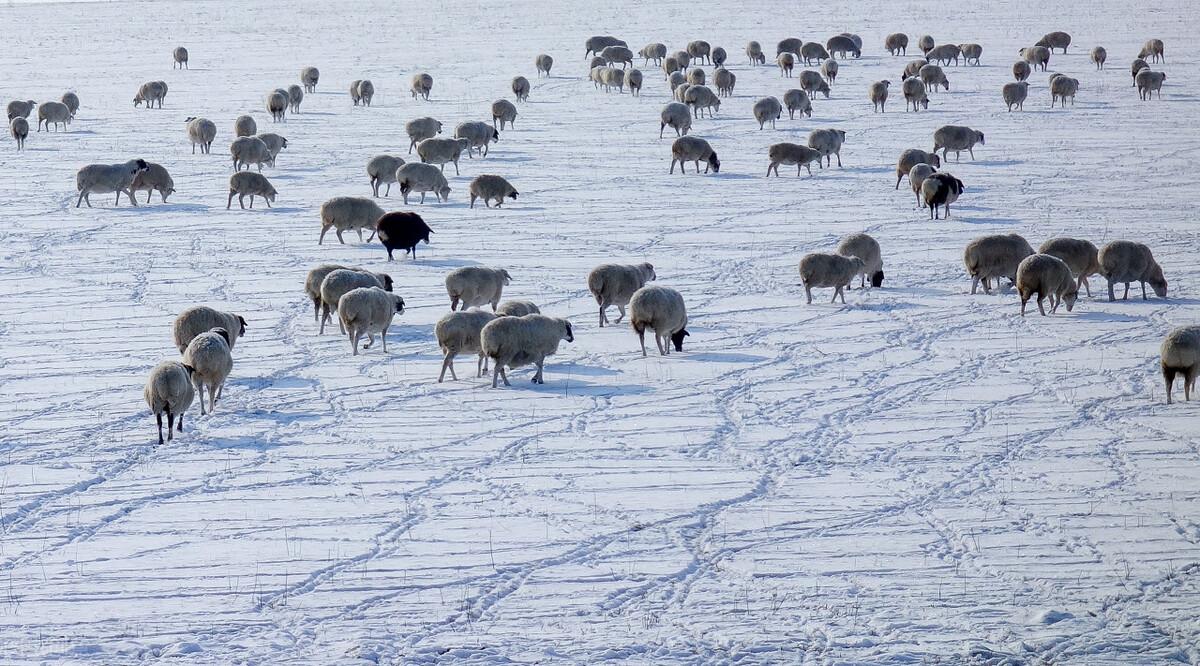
<point x="520" y="88"/>
<point x="309" y="76"/>
<point x="1098" y="56"/>
<point x="1125" y="262"/>
<point x="700" y="50"/>
<point x="633" y="79"/>
<point x="72" y="102"/>
<point x="615" y="284"/>
<point x="912" y="157"/>
<point x="1036" y="56"/>
<point x="201" y="318"/>
<point x="755" y="54"/>
<point x="275" y="144"/>
<point x="244" y="126"/>
<point x="693" y="149"/>
<point x="820" y="269"/>
<point x="277" y="105"/>
<point x="420" y="129"/>
<point x="896" y="43"/>
<point x="655" y="51"/>
<point x="517" y="308"/>
<point x="312" y="284"/>
<point x="611" y="78"/>
<point x="797" y="100"/>
<point x="1062" y="87"/>
<point x="503" y="111"/>
<point x="1147" y="82"/>
<point x="812" y="82"/>
<point x="933" y="76"/>
<point x="19" y="129"/>
<point x="341" y="281"/>
<point x="459" y="333"/>
<point x="792" y="153"/>
<point x="354" y="94"/>
<point x="878" y="94"/>
<point x="473" y="286"/>
<point x="247" y="150"/>
<point x="1021" y="70"/>
<point x="382" y="171"/>
<point x="107" y="179"/>
<point x="1046" y="276"/>
<point x="20" y="109"/>
<point x="915" y="98"/>
<point x="614" y="54"/>
<point x="811" y="51"/>
<point x="829" y="69"/>
<point x="154" y="179"/>
<point x="295" y="97"/>
<point x="368" y="310"/>
<point x="597" y="43"/>
<point x="208" y="354"/>
<point x="1154" y="50"/>
<point x="789" y="45"/>
<point x="957" y="138"/>
<point x="843" y="45"/>
<point x="944" y="54"/>
<point x="913" y="68"/>
<point x="971" y="52"/>
<point x="786" y="62"/>
<point x="678" y="116"/>
<point x="55" y="113"/>
<point x="680" y="92"/>
<point x="994" y="257"/>
<point x="683" y="58"/>
<point x="249" y="183"/>
<point x="544" y="62"/>
<point x="1014" y="94"/>
<point x="767" y="109"/>
<point x="349" y="214"/>
<point x="491" y="188"/>
<point x="440" y="151"/>
<point x="150" y="92"/>
<point x="696" y="77"/>
<point x="478" y="135"/>
<point x="180" y="55"/>
<point x="724" y="80"/>
<point x="202" y="132"/>
<point x="661" y="309"/>
<point x="422" y="85"/>
<point x="1055" y="40"/>
<point x="866" y="248"/>
<point x="718" y="56"/>
<point x="925" y="43"/>
<point x="1180" y="355"/>
<point x="827" y="142"/>
<point x="366" y="91"/>
<point x="916" y="178"/>
<point x="422" y="178"/>
<point x="516" y="341"/>
<point x="701" y="98"/>
<point x="1081" y="256"/>
<point x="169" y="389"/>
<point x="670" y="66"/>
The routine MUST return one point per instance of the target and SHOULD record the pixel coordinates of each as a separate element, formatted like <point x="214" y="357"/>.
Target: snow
<point x="919" y="476"/>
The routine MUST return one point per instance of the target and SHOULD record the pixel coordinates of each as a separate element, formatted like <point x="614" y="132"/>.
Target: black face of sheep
<point x="387" y="283"/>
<point x="223" y="333"/>
<point x="399" y="305"/>
<point x="570" y="334"/>
<point x="513" y="195"/>
<point x="714" y="163"/>
<point x="243" y="323"/>
<point x="190" y="370"/>
<point x="142" y="166"/>
<point x="677" y="338"/>
<point x="495" y="134"/>
<point x="877" y="279"/>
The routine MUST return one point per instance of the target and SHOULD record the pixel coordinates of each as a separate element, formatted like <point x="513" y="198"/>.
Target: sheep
<point x="696" y="77"/>
<point x="829" y="69"/>
<point x="797" y="100"/>
<point x="718" y="56"/>
<point x="615" y="54"/>
<point x="1148" y="81"/>
<point x="866" y="248"/>
<point x="896" y="43"/>
<point x="1126" y="261"/>
<point x="792" y="153"/>
<point x="613" y="78"/>
<point x="382" y="171"/>
<point x="789" y="45"/>
<point x="601" y="62"/>
<point x="827" y="142"/>
<point x="245" y="183"/>
<point x="1036" y="56"/>
<point x="678" y="116"/>
<point x="309" y="76"/>
<point x="478" y="136"/>
<point x="843" y="45"/>
<point x="202" y="132"/>
<point x="491" y="188"/>
<point x="72" y="102"/>
<point x="517" y="309"/>
<point x="503" y="111"/>
<point x="598" y="43"/>
<point x="402" y="231"/>
<point x="316" y="276"/>
<point x="368" y="310"/>
<point x="421" y="86"/>
<point x="441" y="151"/>
<point x="997" y="256"/>
<point x="1054" y="40"/>
<point x="913" y="68"/>
<point x="1136" y="66"/>
<point x="244" y="126"/>
<point x="1062" y="87"/>
<point x="932" y="76"/>
<point x="653" y="51"/>
<point x="201" y="318"/>
<point x="544" y="62"/>
<point x="912" y="157"/>
<point x="940" y="189"/>
<point x="295" y="96"/>
<point x="354" y="94"/>
<point x="724" y="80"/>
<point x="633" y="79"/>
<point x="700" y="50"/>
<point x="516" y="341"/>
<point x="680" y="93"/>
<point x="767" y="109"/>
<point x="420" y="129"/>
<point x="693" y="149"/>
<point x="1081" y="257"/>
<point x="1014" y="94"/>
<point x="754" y="53"/>
<point x="615" y="284"/>
<point x="275" y="144"/>
<point x="19" y="129"/>
<point x="661" y="309"/>
<point x="53" y="112"/>
<point x="520" y="88"/>
<point x="944" y="54"/>
<point x="675" y="80"/>
<point x="349" y="214"/>
<point x="811" y="51"/>
<point x="19" y="109"/>
<point x="957" y="138"/>
<point x="1047" y="276"/>
<point x="247" y="150"/>
<point x="366" y="91"/>
<point x="154" y="178"/>
<point x="811" y="82"/>
<point x="786" y="62"/>
<point x="683" y="58"/>
<point x="169" y="389"/>
<point x="596" y="76"/>
<point x="1180" y="355"/>
<point x="854" y="39"/>
<point x="670" y="65"/>
<point x="1154" y="49"/>
<point x="878" y="93"/>
<point x="820" y="269"/>
<point x="1098" y="55"/>
<point x="925" y="43"/>
<point x="181" y="58"/>
<point x="458" y="333"/>
<point x="107" y="178"/>
<point x="339" y="282"/>
<point x="1021" y="70"/>
<point x="208" y="354"/>
<point x="971" y="52"/>
<point x="150" y="92"/>
<point x="701" y="98"/>
<point x="473" y="286"/>
<point x="422" y="178"/>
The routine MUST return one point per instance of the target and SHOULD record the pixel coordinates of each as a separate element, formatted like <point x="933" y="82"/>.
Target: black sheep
<point x="402" y="231"/>
<point x="941" y="189"/>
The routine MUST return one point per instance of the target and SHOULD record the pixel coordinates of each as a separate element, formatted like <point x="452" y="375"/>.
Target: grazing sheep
<point x="866" y="248"/>
<point x="503" y="111"/>
<point x="154" y="179"/>
<point x="916" y="178"/>
<point x="244" y="126"/>
<point x="971" y="52"/>
<point x="797" y="100"/>
<point x="661" y="309"/>
<point x="812" y="82"/>
<point x="878" y="93"/>
<point x="675" y="80"/>
<point x="459" y="333"/>
<point x="55" y="113"/>
<point x="613" y="78"/>
<point x="925" y="43"/>
<point x="700" y="50"/>
<point x="309" y="76"/>
<point x="724" y="80"/>
<point x="247" y="150"/>
<point x="491" y="188"/>
<point x="366" y="91"/>
<point x="150" y="92"/>
<point x="767" y="109"/>
<point x="1055" y="40"/>
<point x="896" y="43"/>
<point x="940" y="189"/>
<point x="420" y="129"/>
<point x="316" y="276"/>
<point x="1046" y="276"/>
<point x="1148" y="81"/>
<point x="957" y="138"/>
<point x="422" y="178"/>
<point x="1021" y="70"/>
<point x="811" y="51"/>
<point x="208" y="354"/>
<point x="786" y="62"/>
<point x="349" y="214"/>
<point x="245" y="183"/>
<point x="107" y="179"/>
<point x="1081" y="257"/>
<point x="1014" y="94"/>
<point x="402" y="231"/>
<point x="544" y="62"/>
<point x="520" y="88"/>
<point x="615" y="54"/>
<point x="670" y="65"/>
<point x="277" y="104"/>
<point x="295" y="97"/>
<point x="19" y="129"/>
<point x="633" y="79"/>
<point x="72" y="102"/>
<point x="517" y="309"/>
<point x="516" y="341"/>
<point x="678" y="116"/>
<point x="202" y="132"/>
<point x="1154" y="49"/>
<point x="440" y="151"/>
<point x="1098" y="55"/>
<point x="478" y="135"/>
<point x="944" y="54"/>
<point x="368" y="310"/>
<point x="693" y="149"/>
<point x="655" y="51"/>
<point x="354" y="94"/>
<point x="755" y="53"/>
<point x="275" y="144"/>
<point x="1136" y="66"/>
<point x="1126" y="262"/>
<point x="181" y="62"/>
<point x="19" y="109"/>
<point x="201" y="318"/>
<point x="695" y="77"/>
<point x="827" y="142"/>
<point x="473" y="286"/>
<point x="789" y="45"/>
<point x="341" y="281"/>
<point x="820" y="269"/>
<point x="600" y="62"/>
<point x="680" y="93"/>
<point x="1037" y="56"/>
<point x="701" y="98"/>
<point x="421" y="86"/>
<point x="1180" y="355"/>
<point x="792" y="153"/>
<point x="843" y="45"/>
<point x="912" y="157"/>
<point x="382" y="171"/>
<point x="994" y="257"/>
<point x="615" y="284"/>
<point x="718" y="56"/>
<point x="829" y="69"/>
<point x="1062" y="87"/>
<point x="913" y="68"/>
<point x="598" y="43"/>
<point x="169" y="389"/>
<point x="932" y="76"/>
<point x="683" y="58"/>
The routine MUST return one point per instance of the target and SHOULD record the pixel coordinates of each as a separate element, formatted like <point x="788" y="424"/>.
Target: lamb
<point x="1047" y="276"/>
<point x="349" y="214"/>
<point x="478" y="136"/>
<point x="913" y="68"/>
<point x="792" y="153"/>
<point x="1021" y="70"/>
<point x="181" y="59"/>
<point x="789" y="45"/>
<point x="601" y="62"/>
<point x="755" y="53"/>
<point x="402" y="231"/>
<point x="615" y="284"/>
<point x="925" y="43"/>
<point x="767" y="109"/>
<point x="309" y="76"/>
<point x="1037" y="56"/>
<point x="354" y="94"/>
<point x="19" y="128"/>
<point x="106" y="179"/>
<point x="843" y="45"/>
<point x="670" y="65"/>
<point x="491" y="188"/>
<point x="786" y="62"/>
<point x="520" y="88"/>
<point x="208" y="354"/>
<point x="382" y="171"/>
<point x="19" y="109"/>
<point x="421" y="177"/>
<point x="420" y="129"/>
<point x="201" y="318"/>
<point x="633" y="78"/>
<point x="1081" y="257"/>
<point x="701" y="98"/>
<point x="693" y="149"/>
<point x="866" y="248"/>
<point x="896" y="43"/>
<point x="244" y="126"/>
<point x="797" y="100"/>
<point x="368" y="310"/>
<point x="516" y="341"/>
<point x="1015" y="94"/>
<point x="829" y="69"/>
<point x="700" y="50"/>
<point x="459" y="333"/>
<point x="811" y="51"/>
<point x="341" y="281"/>
<point x="72" y="102"/>
<point x="878" y="93"/>
<point x="678" y="116"/>
<point x="944" y="54"/>
<point x="201" y="131"/>
<point x="366" y="91"/>
<point x="940" y="189"/>
<point x="503" y="111"/>
<point x="169" y="389"/>
<point x="55" y="113"/>
<point x="517" y="309"/>
<point x="916" y="178"/>
<point x="295" y="96"/>
<point x="912" y="157"/>
<point x="1180" y="355"/>
<point x="1055" y="40"/>
<point x="994" y="257"/>
<point x="422" y="85"/>
<point x="971" y="52"/>
<point x="275" y="144"/>
<point x="1147" y="82"/>
<point x="718" y="56"/>
<point x="1154" y="49"/>
<point x="614" y="54"/>
<point x="695" y="77"/>
<point x="473" y="286"/>
<point x="598" y="43"/>
<point x="820" y="269"/>
<point x="724" y="80"/>
<point x="441" y="151"/>
<point x="932" y="76"/>
<point x="247" y="150"/>
<point x="653" y="51"/>
<point x="544" y="62"/>
<point x="811" y="82"/>
<point x="249" y="183"/>
<point x="1126" y="261"/>
<point x="1098" y="55"/>
<point x="957" y="138"/>
<point x="154" y="178"/>
<point x="150" y="92"/>
<point x="827" y="142"/>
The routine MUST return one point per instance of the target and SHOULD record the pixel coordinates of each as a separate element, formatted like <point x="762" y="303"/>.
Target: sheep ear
<point x="190" y="370"/>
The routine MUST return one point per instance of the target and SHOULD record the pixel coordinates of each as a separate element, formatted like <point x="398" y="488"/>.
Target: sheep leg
<point x="80" y="200"/>
<point x="808" y="293"/>
<point x="383" y="338"/>
<point x="839" y="158"/>
<point x="620" y="315"/>
<point x="339" y="235"/>
<point x="355" y="336"/>
<point x="200" y="393"/>
<point x="160" y="437"/>
<point x="220" y="389"/>
<point x="1024" y="302"/>
<point x="320" y="239"/>
<point x="370" y="340"/>
<point x="229" y="203"/>
<point x="658" y="340"/>
<point x="266" y="200"/>
<point x="1111" y="296"/>
<point x="672" y="162"/>
<point x="1144" y="292"/>
<point x="974" y="283"/>
<point x="898" y="179"/>
<point x="1126" y="296"/>
<point x="971" y="150"/>
<point x="148" y="194"/>
<point x="642" y="339"/>
<point x="537" y="377"/>
<point x="602" y="317"/>
<point x="482" y="364"/>
<point x="242" y="201"/>
<point x="387" y="192"/>
<point x="447" y="362"/>
<point x="1084" y="283"/>
<point x="1041" y="308"/>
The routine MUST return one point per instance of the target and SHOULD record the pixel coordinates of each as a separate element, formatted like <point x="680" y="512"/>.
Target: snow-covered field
<point x="919" y="476"/>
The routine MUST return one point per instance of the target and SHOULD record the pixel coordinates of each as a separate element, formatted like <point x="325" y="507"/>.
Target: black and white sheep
<point x="662" y="310"/>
